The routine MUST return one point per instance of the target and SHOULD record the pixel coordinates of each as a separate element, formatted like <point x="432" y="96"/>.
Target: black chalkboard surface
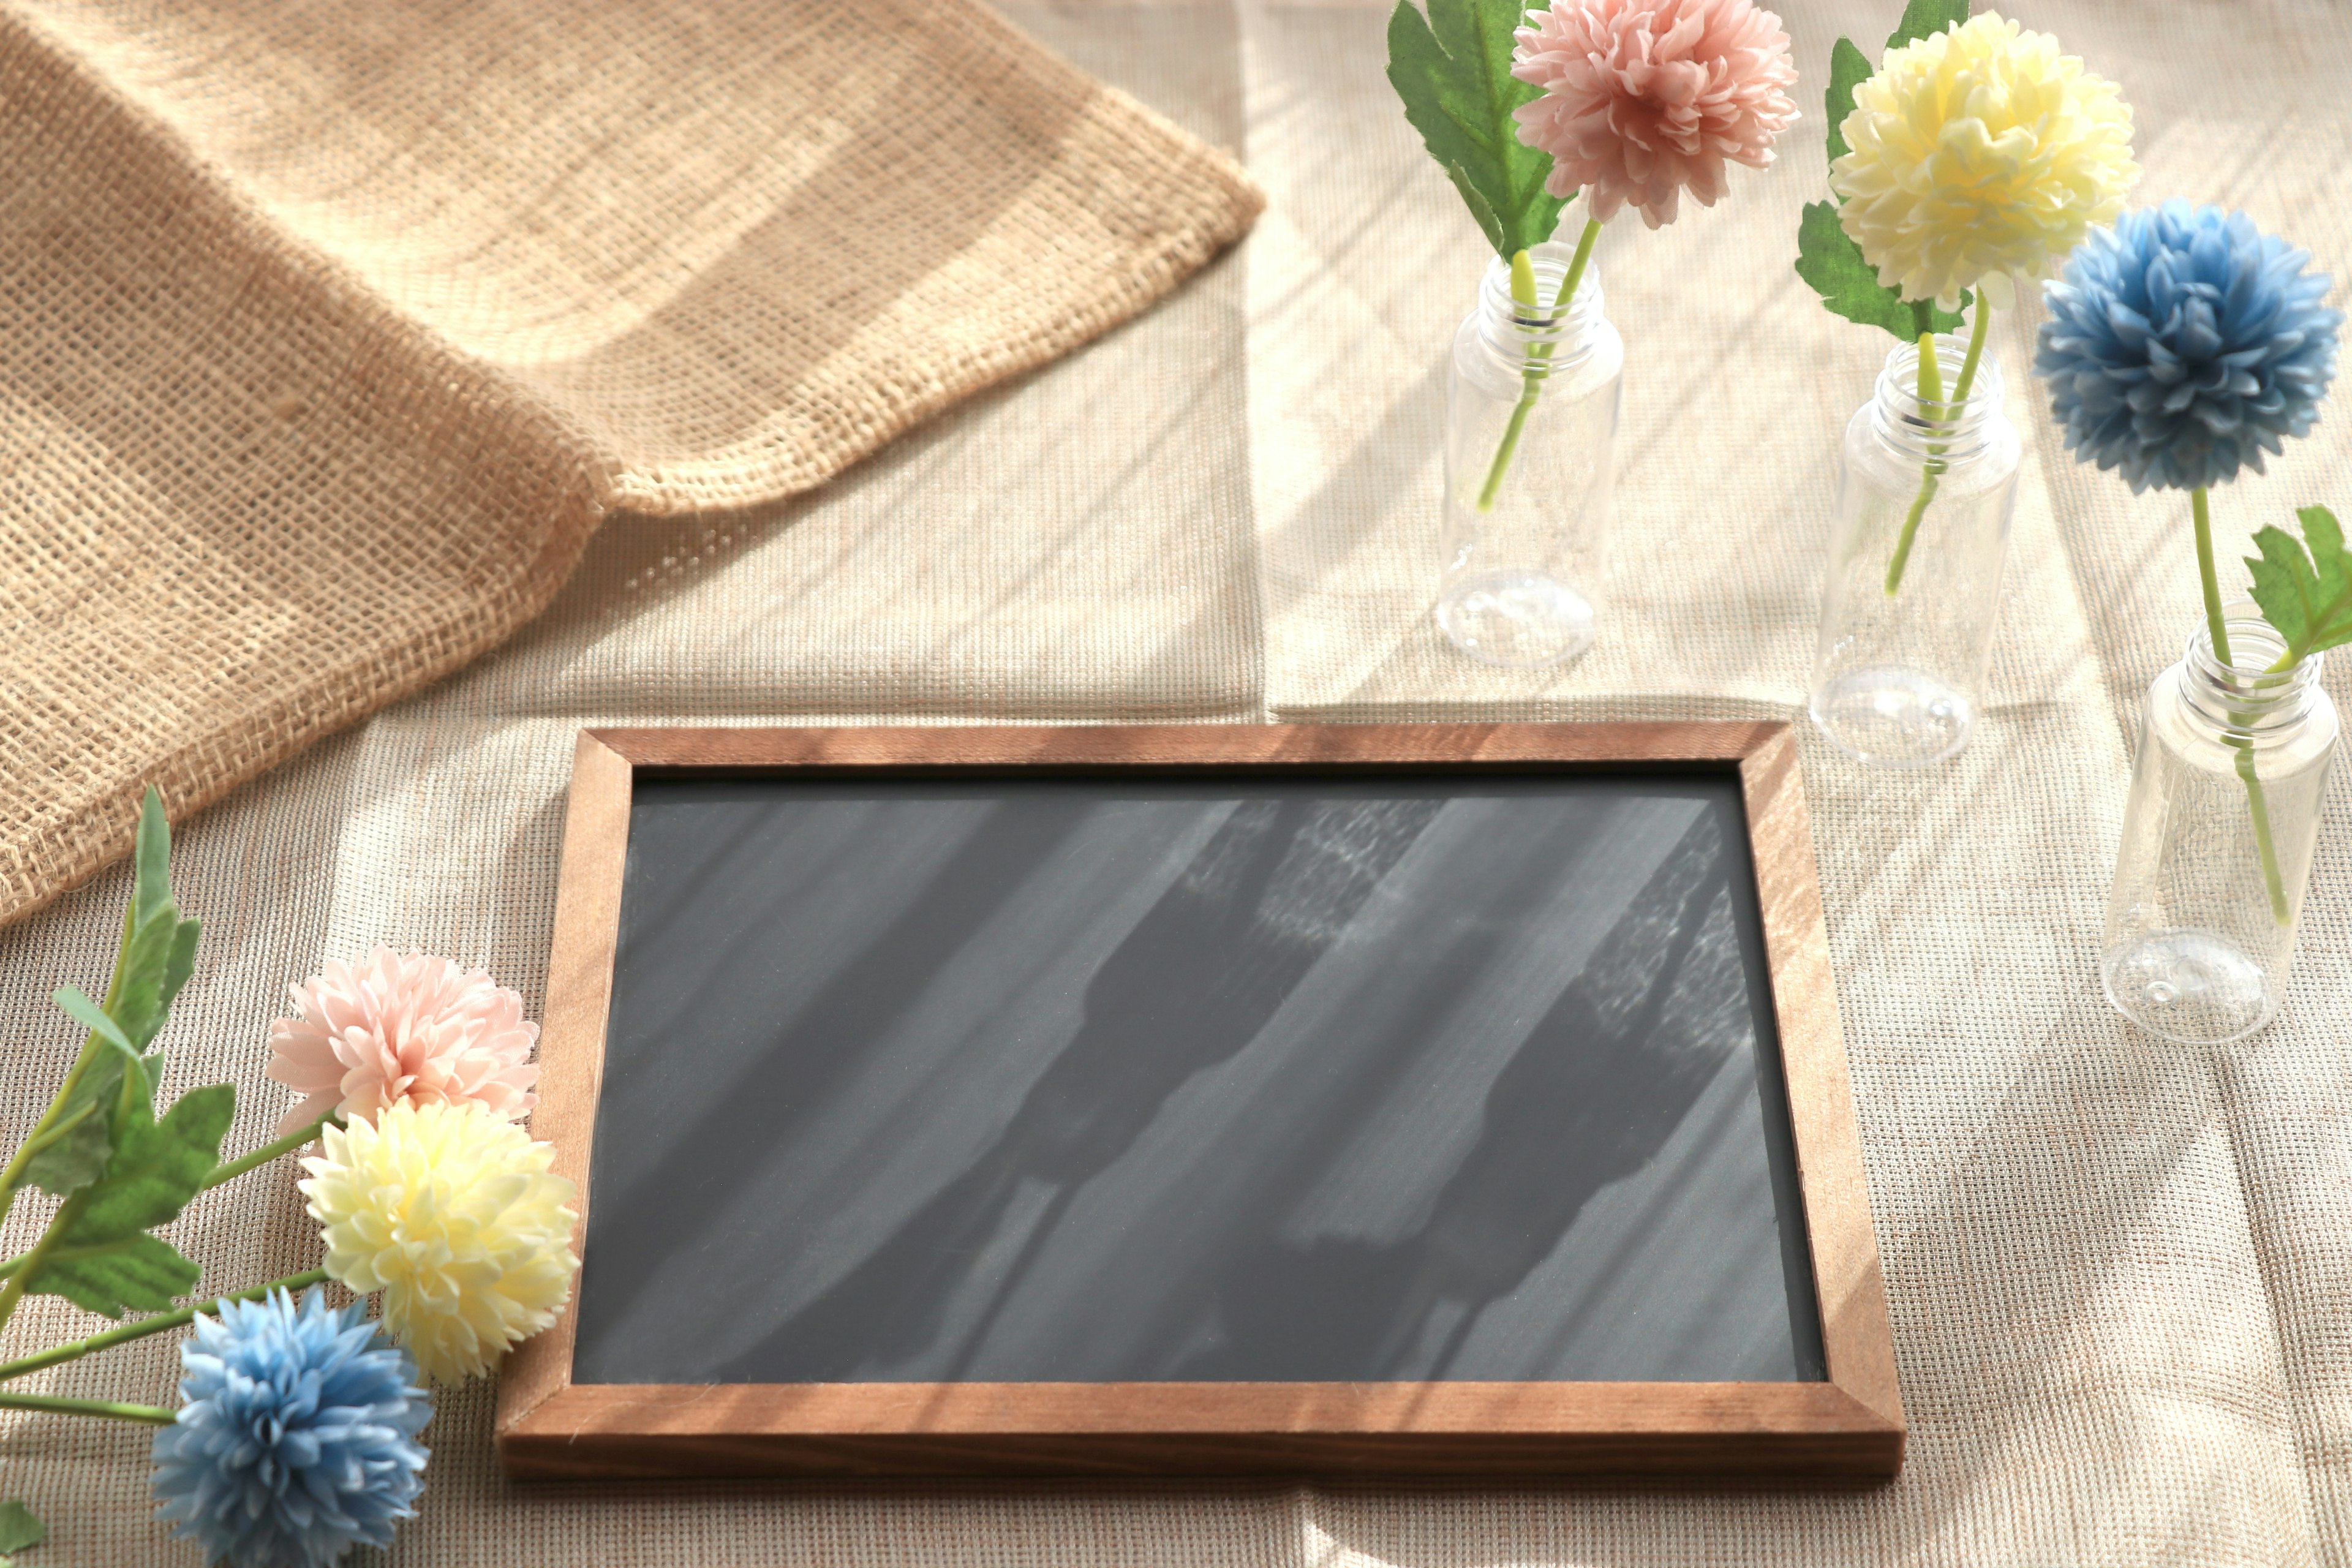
<point x="1271" y="1077"/>
<point x="1399" y="1098"/>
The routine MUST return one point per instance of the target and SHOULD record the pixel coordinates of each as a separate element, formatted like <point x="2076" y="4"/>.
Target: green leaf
<point x="77" y="1157"/>
<point x="91" y="1017"/>
<point x="1832" y="263"/>
<point x="18" y="1527"/>
<point x="157" y="1166"/>
<point x="136" y="1274"/>
<point x="1925" y="18"/>
<point x="1849" y="69"/>
<point x="1481" y="212"/>
<point x="104" y="1262"/>
<point x="159" y="953"/>
<point x="2308" y="597"/>
<point x="151" y="862"/>
<point x="1452" y="69"/>
<point x="159" y="948"/>
<point x="156" y="961"/>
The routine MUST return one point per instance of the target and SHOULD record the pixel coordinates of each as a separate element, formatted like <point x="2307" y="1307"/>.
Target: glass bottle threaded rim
<point x="2246" y="699"/>
<point x="1537" y="340"/>
<point x="1921" y="428"/>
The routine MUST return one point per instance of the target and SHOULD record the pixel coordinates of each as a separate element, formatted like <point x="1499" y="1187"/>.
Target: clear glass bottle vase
<point x="1530" y="428"/>
<point x="2225" y="800"/>
<point x="1915" y="555"/>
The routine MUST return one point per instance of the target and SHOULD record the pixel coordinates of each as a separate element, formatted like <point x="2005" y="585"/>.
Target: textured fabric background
<point x="328" y="333"/>
<point x="2121" y="1271"/>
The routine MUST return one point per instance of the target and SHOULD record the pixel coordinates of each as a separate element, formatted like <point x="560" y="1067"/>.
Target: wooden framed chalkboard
<point x="1443" y="1100"/>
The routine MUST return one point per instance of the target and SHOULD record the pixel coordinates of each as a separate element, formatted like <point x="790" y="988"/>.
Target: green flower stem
<point x="1931" y="390"/>
<point x="2201" y="514"/>
<point x="269" y="1152"/>
<point x="146" y="1414"/>
<point x="126" y="1333"/>
<point x="1523" y="290"/>
<point x="2273" y="882"/>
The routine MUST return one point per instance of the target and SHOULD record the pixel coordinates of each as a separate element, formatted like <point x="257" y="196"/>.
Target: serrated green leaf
<point x="77" y="1157"/>
<point x="158" y="954"/>
<point x="1849" y="69"/>
<point x="156" y="961"/>
<point x="18" y="1527"/>
<point x="113" y="1085"/>
<point x="103" y="1262"/>
<point x="1452" y="72"/>
<point x="1925" y="18"/>
<point x="2308" y="596"/>
<point x="135" y="1274"/>
<point x="158" y="947"/>
<point x="1489" y="223"/>
<point x="1832" y="263"/>
<point x="156" y="1167"/>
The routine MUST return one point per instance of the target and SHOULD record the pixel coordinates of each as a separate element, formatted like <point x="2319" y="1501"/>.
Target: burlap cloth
<point x="330" y="332"/>
<point x="2121" y="1272"/>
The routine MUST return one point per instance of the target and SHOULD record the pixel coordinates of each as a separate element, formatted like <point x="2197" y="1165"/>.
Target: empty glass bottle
<point x="1916" y="557"/>
<point x="2225" y="797"/>
<point x="1531" y="422"/>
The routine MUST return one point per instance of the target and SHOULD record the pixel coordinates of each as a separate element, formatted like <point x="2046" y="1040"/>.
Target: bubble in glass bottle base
<point x="1891" y="717"/>
<point x="1520" y="620"/>
<point x="2191" y="985"/>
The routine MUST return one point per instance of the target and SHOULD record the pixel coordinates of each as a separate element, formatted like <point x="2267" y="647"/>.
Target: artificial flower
<point x="2184" y="343"/>
<point x="297" y="1437"/>
<point x="453" y="1214"/>
<point x="1977" y="155"/>
<point x="401" y="1027"/>
<point x="1645" y="98"/>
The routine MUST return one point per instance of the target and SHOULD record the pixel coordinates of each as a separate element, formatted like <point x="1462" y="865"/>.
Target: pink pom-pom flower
<point x="1644" y="99"/>
<point x="395" y="1028"/>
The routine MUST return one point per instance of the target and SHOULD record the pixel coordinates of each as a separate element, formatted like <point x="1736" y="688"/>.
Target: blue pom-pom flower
<point x="296" y="1439"/>
<point x="2184" y="343"/>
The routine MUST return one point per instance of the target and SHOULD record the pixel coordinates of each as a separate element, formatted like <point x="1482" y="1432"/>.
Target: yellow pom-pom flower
<point x="1979" y="155"/>
<point x="451" y="1212"/>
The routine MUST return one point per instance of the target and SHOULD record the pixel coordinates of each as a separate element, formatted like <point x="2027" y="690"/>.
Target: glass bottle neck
<point x="1944" y="427"/>
<point x="2246" y="700"/>
<point x="1550" y="336"/>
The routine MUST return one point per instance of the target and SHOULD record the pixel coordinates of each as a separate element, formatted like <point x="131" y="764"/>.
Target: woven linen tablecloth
<point x="2120" y="1271"/>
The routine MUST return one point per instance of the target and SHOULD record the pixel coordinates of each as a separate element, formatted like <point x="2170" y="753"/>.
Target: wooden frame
<point x="1848" y="1430"/>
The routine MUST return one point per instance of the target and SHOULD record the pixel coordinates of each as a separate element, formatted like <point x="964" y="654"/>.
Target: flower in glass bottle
<point x="1632" y="103"/>
<point x="2182" y="346"/>
<point x="1974" y="155"/>
<point x="2184" y="343"/>
<point x="1643" y="100"/>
